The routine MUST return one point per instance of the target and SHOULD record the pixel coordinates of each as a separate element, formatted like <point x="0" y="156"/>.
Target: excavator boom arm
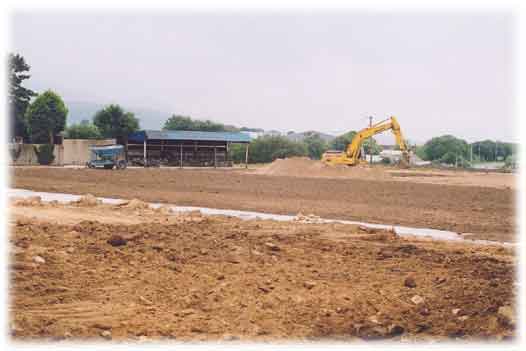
<point x="353" y="149"/>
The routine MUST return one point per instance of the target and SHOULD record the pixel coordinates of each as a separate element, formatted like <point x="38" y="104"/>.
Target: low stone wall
<point x="71" y="152"/>
<point x="76" y="151"/>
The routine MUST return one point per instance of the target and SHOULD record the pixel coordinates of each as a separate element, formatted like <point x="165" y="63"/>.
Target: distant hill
<point x="148" y="119"/>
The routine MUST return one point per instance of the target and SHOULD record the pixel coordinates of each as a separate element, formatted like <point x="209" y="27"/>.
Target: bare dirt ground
<point x="304" y="167"/>
<point x="133" y="273"/>
<point x="369" y="195"/>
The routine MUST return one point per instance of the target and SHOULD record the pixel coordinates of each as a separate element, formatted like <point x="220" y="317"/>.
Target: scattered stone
<point x="417" y="299"/>
<point x="309" y="285"/>
<point x="424" y="311"/>
<point x="101" y="326"/>
<point x="410" y="282"/>
<point x="187" y="312"/>
<point x="272" y="247"/>
<point x="310" y="218"/>
<point x="395" y="329"/>
<point x="264" y="289"/>
<point x="70" y="250"/>
<point x="106" y="334"/>
<point x="463" y="318"/>
<point x="145" y="300"/>
<point x="135" y="204"/>
<point x="39" y="259"/>
<point x="29" y="201"/>
<point x="116" y="240"/>
<point x="374" y="319"/>
<point x="455" y="311"/>
<point x="88" y="200"/>
<point x="230" y="337"/>
<point x="507" y="315"/>
<point x="368" y="230"/>
<point x="67" y="335"/>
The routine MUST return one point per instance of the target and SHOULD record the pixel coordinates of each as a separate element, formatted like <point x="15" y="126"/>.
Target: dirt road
<point x="217" y="278"/>
<point x="486" y="211"/>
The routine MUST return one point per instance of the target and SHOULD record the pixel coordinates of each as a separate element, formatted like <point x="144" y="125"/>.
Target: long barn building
<point x="184" y="148"/>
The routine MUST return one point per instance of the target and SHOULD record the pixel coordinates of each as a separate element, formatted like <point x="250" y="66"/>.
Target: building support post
<point x="144" y="152"/>
<point x="215" y="157"/>
<point x="246" y="156"/>
<point x="181" y="155"/>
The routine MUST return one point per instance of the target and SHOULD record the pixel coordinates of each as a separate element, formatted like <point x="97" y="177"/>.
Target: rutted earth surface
<point x="134" y="273"/>
<point x="485" y="211"/>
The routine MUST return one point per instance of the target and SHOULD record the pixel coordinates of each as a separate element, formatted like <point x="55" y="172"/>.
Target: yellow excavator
<point x="351" y="156"/>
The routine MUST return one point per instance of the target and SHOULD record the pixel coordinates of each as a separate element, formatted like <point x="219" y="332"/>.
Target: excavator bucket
<point x="404" y="160"/>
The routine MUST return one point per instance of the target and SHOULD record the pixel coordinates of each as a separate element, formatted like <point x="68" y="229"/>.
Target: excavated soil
<point x="189" y="277"/>
<point x="305" y="167"/>
<point x="482" y="211"/>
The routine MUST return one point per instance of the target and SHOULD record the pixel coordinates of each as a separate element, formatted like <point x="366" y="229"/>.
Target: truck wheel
<point x="122" y="164"/>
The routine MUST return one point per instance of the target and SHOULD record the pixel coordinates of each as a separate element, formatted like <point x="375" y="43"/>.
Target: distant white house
<point x="395" y="156"/>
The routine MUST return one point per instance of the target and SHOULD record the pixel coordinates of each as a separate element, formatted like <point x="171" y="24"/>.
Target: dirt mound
<point x="28" y="201"/>
<point x="305" y="167"/>
<point x="88" y="200"/>
<point x="310" y="218"/>
<point x="136" y="204"/>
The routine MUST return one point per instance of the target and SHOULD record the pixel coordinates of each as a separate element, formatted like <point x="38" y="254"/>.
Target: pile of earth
<point x="305" y="167"/>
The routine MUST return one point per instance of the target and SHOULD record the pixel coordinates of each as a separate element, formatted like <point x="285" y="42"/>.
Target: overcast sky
<point x="437" y="72"/>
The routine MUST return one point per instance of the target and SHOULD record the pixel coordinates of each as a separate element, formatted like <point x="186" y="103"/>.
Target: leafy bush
<point x="369" y="145"/>
<point x="316" y="146"/>
<point x="267" y="149"/>
<point x="83" y="130"/>
<point x="45" y="154"/>
<point x="446" y="149"/>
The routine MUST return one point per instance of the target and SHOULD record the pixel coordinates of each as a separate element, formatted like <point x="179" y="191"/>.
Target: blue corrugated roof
<point x="233" y="137"/>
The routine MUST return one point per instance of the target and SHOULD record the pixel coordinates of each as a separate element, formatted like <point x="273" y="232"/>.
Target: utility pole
<point x="370" y="141"/>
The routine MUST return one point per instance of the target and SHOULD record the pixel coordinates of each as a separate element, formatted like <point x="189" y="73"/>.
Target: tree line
<point x="449" y="149"/>
<point x="38" y="118"/>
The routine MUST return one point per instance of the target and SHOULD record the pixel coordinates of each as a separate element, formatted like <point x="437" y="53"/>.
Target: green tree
<point x="178" y="122"/>
<point x="371" y="147"/>
<point x="45" y="155"/>
<point x="267" y="149"/>
<point x="83" y="130"/>
<point x="113" y="122"/>
<point x="489" y="150"/>
<point x="316" y="146"/>
<point x="46" y="117"/>
<point x="445" y="148"/>
<point x="341" y="142"/>
<point x="18" y="96"/>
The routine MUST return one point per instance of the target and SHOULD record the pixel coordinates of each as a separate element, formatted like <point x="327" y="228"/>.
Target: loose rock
<point x="272" y="247"/>
<point x="106" y="334"/>
<point x="116" y="240"/>
<point x="417" y="299"/>
<point x="410" y="282"/>
<point x="309" y="285"/>
<point x="507" y="315"/>
<point x="39" y="259"/>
